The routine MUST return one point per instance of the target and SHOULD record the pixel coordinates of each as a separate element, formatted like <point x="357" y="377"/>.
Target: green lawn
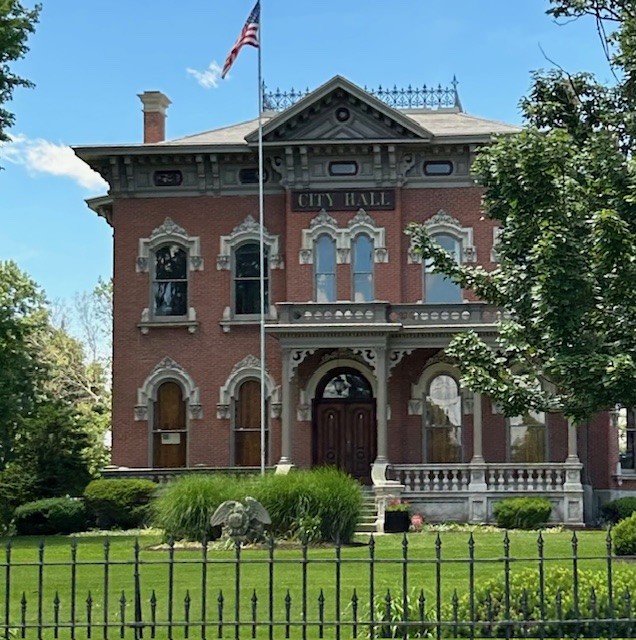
<point x="73" y="582"/>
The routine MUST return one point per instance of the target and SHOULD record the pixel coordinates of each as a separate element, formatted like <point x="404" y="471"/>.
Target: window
<point x="438" y="289"/>
<point x="527" y="437"/>
<point x="169" y="427"/>
<point x="363" y="268"/>
<point x="249" y="175"/>
<point x="247" y="430"/>
<point x="627" y="438"/>
<point x="170" y="282"/>
<point x="343" y="168"/>
<point x="443" y="426"/>
<point x="438" y="168"/>
<point x="325" y="269"/>
<point x="247" y="272"/>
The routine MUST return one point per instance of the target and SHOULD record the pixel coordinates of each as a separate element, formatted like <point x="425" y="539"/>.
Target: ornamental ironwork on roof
<point x="424" y="97"/>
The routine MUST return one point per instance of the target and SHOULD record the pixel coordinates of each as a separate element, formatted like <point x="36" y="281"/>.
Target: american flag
<point x="248" y="35"/>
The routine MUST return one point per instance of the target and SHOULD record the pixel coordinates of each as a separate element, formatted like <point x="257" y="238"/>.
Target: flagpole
<point x="264" y="263"/>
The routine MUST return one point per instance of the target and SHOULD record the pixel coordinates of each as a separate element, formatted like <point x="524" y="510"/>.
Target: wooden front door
<point x="345" y="437"/>
<point x="169" y="429"/>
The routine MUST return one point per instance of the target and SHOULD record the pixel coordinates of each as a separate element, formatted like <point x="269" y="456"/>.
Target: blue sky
<point x="90" y="59"/>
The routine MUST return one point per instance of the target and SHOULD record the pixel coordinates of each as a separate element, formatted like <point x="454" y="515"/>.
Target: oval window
<point x="249" y="175"/>
<point x="343" y="168"/>
<point x="438" y="168"/>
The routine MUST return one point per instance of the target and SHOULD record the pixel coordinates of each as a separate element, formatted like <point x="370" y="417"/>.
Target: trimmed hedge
<point x="522" y="513"/>
<point x="51" y="516"/>
<point x="624" y="537"/>
<point x="120" y="503"/>
<point x="316" y="505"/>
<point x="618" y="510"/>
<point x="558" y="602"/>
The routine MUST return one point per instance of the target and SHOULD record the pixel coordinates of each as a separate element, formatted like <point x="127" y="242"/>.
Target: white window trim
<point x="443" y="223"/>
<point x="169" y="232"/>
<point x="419" y="390"/>
<point x="248" y="231"/>
<point x="324" y="224"/>
<point x="167" y="370"/>
<point x="247" y="369"/>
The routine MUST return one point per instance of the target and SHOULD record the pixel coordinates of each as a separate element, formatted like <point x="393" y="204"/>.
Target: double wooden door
<point x="345" y="436"/>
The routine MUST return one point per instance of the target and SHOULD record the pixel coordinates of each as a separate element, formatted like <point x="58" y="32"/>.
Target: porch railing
<point x="456" y="315"/>
<point x="498" y="477"/>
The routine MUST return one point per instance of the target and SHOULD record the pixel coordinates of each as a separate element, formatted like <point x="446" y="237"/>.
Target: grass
<point x="319" y="571"/>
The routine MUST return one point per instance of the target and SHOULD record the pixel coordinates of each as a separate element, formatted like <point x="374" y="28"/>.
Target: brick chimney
<point x="155" y="105"/>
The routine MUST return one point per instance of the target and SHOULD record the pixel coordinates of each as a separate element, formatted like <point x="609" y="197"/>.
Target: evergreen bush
<point x="624" y="536"/>
<point x="522" y="513"/>
<point x="51" y="516"/>
<point x="120" y="503"/>
<point x="558" y="603"/>
<point x="618" y="510"/>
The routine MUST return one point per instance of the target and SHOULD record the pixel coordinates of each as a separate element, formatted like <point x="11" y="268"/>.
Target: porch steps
<point x="368" y="513"/>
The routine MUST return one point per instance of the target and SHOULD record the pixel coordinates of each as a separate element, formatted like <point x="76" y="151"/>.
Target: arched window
<point x="443" y="421"/>
<point x="325" y="268"/>
<point x="169" y="427"/>
<point x="247" y="272"/>
<point x="363" y="268"/>
<point x="247" y="429"/>
<point x="170" y="281"/>
<point x="438" y="289"/>
<point x="527" y="435"/>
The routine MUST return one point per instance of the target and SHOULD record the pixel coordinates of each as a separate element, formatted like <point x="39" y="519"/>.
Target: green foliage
<point x="317" y="505"/>
<point x="526" y="604"/>
<point x="624" y="536"/>
<point x="522" y="513"/>
<point x="16" y="23"/>
<point x="619" y="509"/>
<point x="51" y="516"/>
<point x="120" y="503"/>
<point x="183" y="508"/>
<point x="400" y="617"/>
<point x="562" y="194"/>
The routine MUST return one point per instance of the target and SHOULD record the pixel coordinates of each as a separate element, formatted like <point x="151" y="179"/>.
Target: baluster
<point x="417" y="476"/>
<point x="426" y="484"/>
<point x="453" y="474"/>
<point x="444" y="476"/>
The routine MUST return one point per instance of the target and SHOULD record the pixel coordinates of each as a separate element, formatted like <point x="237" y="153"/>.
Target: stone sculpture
<point x="242" y="522"/>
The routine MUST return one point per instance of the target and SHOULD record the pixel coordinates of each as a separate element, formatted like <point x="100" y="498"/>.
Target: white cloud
<point x="41" y="156"/>
<point x="210" y="78"/>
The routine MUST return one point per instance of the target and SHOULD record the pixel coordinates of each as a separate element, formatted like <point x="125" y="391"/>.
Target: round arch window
<point x="344" y="384"/>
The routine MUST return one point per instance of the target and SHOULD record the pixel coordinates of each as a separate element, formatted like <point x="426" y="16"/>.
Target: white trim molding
<point x="167" y="370"/>
<point x="248" y="231"/>
<point x="249" y="368"/>
<point x="419" y="390"/>
<point x="169" y="232"/>
<point x="444" y="223"/>
<point x="324" y="224"/>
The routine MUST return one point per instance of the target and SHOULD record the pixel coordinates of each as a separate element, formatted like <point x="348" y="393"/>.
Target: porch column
<point x="478" y="455"/>
<point x="381" y="378"/>
<point x="285" y="462"/>
<point x="573" y="455"/>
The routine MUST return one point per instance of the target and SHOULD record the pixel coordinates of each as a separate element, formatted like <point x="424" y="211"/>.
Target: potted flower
<point x="396" y="516"/>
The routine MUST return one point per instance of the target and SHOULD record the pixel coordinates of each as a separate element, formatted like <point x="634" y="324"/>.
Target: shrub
<point x="184" y="507"/>
<point x="51" y="516"/>
<point x="558" y="604"/>
<point x="618" y="510"/>
<point x="624" y="536"/>
<point x="522" y="513"/>
<point x="120" y="503"/>
<point x="317" y="505"/>
<point x="388" y="612"/>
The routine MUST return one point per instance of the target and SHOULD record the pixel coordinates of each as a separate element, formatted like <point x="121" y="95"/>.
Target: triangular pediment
<point x="340" y="110"/>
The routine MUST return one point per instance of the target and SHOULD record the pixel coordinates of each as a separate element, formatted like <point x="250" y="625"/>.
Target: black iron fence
<point x="422" y="587"/>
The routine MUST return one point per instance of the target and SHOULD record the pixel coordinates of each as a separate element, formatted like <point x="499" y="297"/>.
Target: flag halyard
<point x="249" y="35"/>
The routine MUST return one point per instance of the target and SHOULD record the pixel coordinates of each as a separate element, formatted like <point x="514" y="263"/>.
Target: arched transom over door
<point x="344" y="428"/>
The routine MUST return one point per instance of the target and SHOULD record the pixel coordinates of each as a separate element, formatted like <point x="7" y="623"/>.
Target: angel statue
<point x="242" y="522"/>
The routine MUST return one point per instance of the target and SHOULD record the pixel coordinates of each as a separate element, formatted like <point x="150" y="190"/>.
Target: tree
<point x="16" y="23"/>
<point x="563" y="192"/>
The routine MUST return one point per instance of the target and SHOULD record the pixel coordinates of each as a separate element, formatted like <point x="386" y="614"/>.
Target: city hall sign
<point x="343" y="200"/>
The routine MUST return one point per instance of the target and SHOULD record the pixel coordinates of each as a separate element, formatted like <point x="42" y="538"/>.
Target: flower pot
<point x="396" y="521"/>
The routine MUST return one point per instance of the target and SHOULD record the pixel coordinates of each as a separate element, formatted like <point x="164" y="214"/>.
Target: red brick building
<point x="356" y="324"/>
